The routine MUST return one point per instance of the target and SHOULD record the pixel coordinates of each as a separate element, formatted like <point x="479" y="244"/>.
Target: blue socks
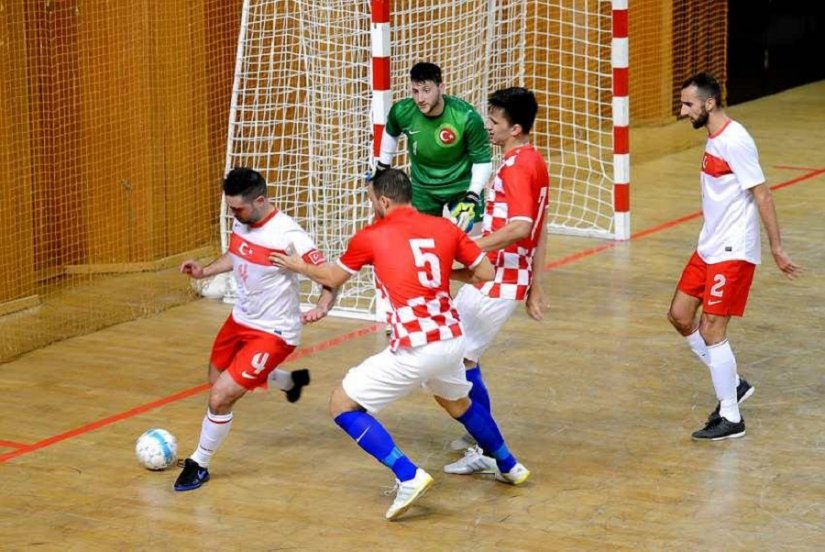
<point x="481" y="425"/>
<point x="478" y="394"/>
<point x="371" y="436"/>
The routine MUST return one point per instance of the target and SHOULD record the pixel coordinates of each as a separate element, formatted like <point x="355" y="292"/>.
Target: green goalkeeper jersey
<point x="441" y="149"/>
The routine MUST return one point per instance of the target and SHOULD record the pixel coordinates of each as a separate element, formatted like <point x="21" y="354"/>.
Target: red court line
<point x="795" y="168"/>
<point x="813" y="173"/>
<point x="372" y="328"/>
<point x="301" y="353"/>
<point x="11" y="444"/>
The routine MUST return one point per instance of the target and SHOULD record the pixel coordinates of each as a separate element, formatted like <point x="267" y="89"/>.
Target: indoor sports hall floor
<point x="598" y="401"/>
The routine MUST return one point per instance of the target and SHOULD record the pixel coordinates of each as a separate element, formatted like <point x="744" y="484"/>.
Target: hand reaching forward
<point x="193" y="268"/>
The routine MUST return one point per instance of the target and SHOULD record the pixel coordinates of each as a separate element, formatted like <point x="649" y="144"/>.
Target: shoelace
<point x="472" y="452"/>
<point x="389" y="491"/>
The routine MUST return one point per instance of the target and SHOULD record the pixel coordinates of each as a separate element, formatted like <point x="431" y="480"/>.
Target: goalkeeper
<point x="447" y="145"/>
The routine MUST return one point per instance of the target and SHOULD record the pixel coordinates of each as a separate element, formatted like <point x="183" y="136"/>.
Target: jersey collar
<point x="264" y="220"/>
<point x="401" y="211"/>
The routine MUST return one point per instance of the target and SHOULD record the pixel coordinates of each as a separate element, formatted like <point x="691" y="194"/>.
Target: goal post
<point x="314" y="80"/>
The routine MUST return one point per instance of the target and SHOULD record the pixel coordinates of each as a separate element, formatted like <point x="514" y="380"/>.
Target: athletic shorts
<point x="249" y="354"/>
<point x="432" y="201"/>
<point x="723" y="287"/>
<point x="386" y="377"/>
<point x="481" y="318"/>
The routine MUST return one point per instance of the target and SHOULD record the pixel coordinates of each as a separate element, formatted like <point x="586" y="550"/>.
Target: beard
<point x="701" y="120"/>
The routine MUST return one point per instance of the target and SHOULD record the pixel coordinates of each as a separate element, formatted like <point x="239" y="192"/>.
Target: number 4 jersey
<point x="268" y="297"/>
<point x="413" y="256"/>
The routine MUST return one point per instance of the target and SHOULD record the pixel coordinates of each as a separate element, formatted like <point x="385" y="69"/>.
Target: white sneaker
<point x="462" y="443"/>
<point x="516" y="476"/>
<point x="474" y="461"/>
<point x="407" y="492"/>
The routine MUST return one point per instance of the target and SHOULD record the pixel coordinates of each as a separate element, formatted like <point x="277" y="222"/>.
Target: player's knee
<point x="713" y="328"/>
<point x="220" y="403"/>
<point x="455" y="408"/>
<point x="339" y="402"/>
<point x="683" y="324"/>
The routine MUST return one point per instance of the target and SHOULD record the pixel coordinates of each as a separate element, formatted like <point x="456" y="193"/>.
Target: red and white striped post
<point x="381" y="94"/>
<point x="621" y="122"/>
<point x="381" y="91"/>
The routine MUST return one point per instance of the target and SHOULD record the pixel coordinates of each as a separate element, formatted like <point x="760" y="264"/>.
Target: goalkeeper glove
<point x="464" y="211"/>
<point x="375" y="173"/>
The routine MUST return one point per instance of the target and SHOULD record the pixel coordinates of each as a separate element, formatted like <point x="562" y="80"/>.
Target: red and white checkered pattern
<point x="421" y="321"/>
<point x="413" y="255"/>
<point x="519" y="192"/>
<point x="514" y="272"/>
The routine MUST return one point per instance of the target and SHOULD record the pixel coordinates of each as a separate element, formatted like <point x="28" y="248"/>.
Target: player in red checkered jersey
<point x="514" y="238"/>
<point x="265" y="324"/>
<point x="718" y="276"/>
<point x="412" y="254"/>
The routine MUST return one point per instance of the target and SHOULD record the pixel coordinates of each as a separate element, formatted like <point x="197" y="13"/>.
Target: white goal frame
<point x="314" y="81"/>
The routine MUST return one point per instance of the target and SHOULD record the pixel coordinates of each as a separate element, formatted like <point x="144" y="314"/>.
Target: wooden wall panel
<point x="651" y="57"/>
<point x="17" y="250"/>
<point x="105" y="134"/>
<point x="222" y="20"/>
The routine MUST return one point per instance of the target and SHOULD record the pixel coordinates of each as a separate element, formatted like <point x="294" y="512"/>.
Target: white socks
<point x="722" y="366"/>
<point x="700" y="349"/>
<point x="214" y="430"/>
<point x="698" y="346"/>
<point x="281" y="379"/>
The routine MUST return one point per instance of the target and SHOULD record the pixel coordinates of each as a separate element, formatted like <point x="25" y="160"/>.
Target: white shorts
<point x="385" y="377"/>
<point x="481" y="318"/>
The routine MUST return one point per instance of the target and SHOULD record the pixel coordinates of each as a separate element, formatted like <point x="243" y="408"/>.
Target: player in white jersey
<point x="719" y="274"/>
<point x="265" y="324"/>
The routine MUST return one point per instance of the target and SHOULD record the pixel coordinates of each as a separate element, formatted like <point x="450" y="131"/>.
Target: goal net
<point x="112" y="151"/>
<point x="301" y="111"/>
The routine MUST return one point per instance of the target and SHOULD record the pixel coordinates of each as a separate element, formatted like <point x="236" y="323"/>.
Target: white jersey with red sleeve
<point x="268" y="298"/>
<point x="413" y="256"/>
<point x="730" y="168"/>
<point x="520" y="191"/>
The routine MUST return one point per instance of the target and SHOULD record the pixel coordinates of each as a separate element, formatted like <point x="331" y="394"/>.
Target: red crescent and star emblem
<point x="446" y="135"/>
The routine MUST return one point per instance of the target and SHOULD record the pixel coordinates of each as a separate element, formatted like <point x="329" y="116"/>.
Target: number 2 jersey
<point x="519" y="192"/>
<point x="268" y="296"/>
<point x="730" y="168"/>
<point x="413" y="256"/>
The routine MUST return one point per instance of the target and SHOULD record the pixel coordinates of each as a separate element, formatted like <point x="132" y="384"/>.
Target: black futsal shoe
<point x="720" y="428"/>
<point x="192" y="477"/>
<point x="300" y="378"/>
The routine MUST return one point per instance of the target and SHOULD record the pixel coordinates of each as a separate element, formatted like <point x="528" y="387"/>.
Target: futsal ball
<point x="156" y="449"/>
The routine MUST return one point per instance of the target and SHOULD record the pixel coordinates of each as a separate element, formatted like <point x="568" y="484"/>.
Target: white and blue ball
<point x="156" y="449"/>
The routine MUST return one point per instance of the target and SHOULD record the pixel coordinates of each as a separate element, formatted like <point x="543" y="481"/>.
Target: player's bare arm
<point x="326" y="274"/>
<point x="512" y="232"/>
<point x="767" y="212"/>
<point x="478" y="274"/>
<point x="322" y="308"/>
<point x="535" y="302"/>
<point x="195" y="270"/>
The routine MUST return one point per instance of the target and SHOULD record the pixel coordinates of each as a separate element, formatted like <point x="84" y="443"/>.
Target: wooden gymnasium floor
<point x="598" y="401"/>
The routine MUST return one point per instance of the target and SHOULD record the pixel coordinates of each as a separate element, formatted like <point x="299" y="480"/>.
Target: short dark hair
<point x="707" y="85"/>
<point x="518" y="104"/>
<point x="246" y="182"/>
<point x="425" y="71"/>
<point x="393" y="184"/>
